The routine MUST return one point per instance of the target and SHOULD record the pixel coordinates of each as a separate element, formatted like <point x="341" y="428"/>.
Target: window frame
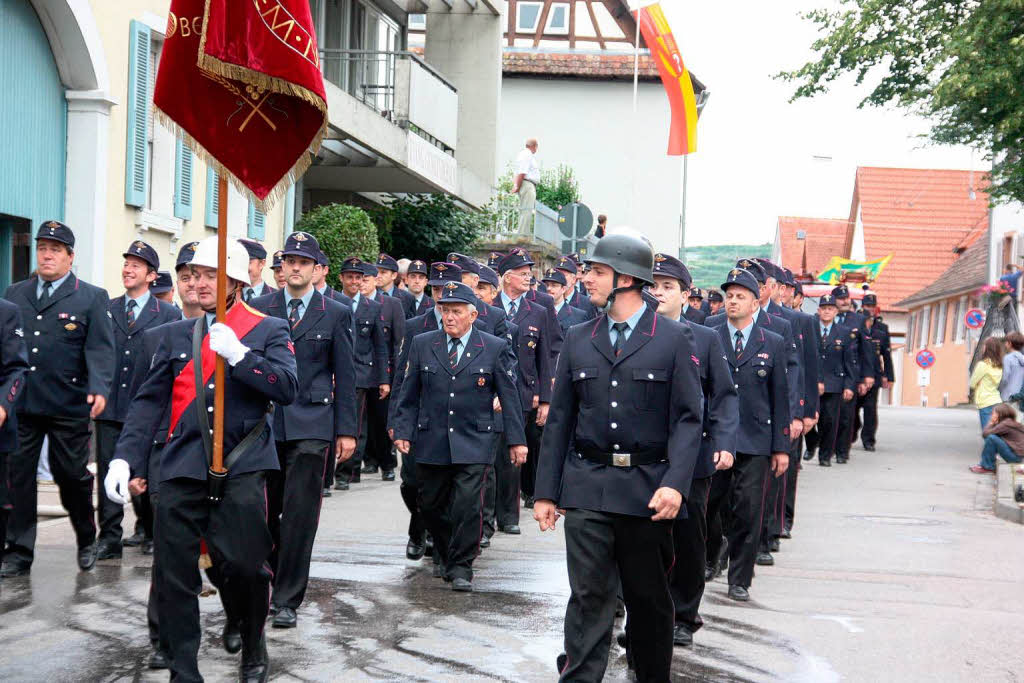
<point x="519" y="16"/>
<point x="548" y="28"/>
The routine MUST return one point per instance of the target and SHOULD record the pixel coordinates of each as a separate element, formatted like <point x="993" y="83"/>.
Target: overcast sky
<point x="756" y="157"/>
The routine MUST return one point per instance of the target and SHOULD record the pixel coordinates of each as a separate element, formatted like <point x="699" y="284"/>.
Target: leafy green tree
<point x="342" y="231"/>
<point x="959" y="63"/>
<point x="428" y="226"/>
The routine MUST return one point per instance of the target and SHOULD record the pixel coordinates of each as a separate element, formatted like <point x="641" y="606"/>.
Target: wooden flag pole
<point x="217" y="464"/>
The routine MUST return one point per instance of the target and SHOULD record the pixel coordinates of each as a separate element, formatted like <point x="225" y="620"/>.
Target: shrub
<point x="342" y="231"/>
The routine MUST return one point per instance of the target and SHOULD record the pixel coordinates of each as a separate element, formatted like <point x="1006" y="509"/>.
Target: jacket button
<point x="35" y="350"/>
<point x="451" y="429"/>
<point x="582" y="375"/>
<point x="452" y="395"/>
<point x="124" y="386"/>
<point x="769" y="421"/>
<point x="615" y="404"/>
<point x="614" y="426"/>
<point x="36" y="333"/>
<point x="615" y="382"/>
<point x="650" y="375"/>
<point x="210" y="386"/>
<point x="615" y="446"/>
<point x="210" y="409"/>
<point x="39" y="317"/>
<point x="125" y="368"/>
<point x="33" y="368"/>
<point x="127" y="352"/>
<point x="327" y="400"/>
<point x="182" y="355"/>
<point x="451" y="412"/>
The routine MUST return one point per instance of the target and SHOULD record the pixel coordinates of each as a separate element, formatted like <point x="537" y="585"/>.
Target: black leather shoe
<point x="414" y="550"/>
<point x="232" y="638"/>
<point x="528" y="502"/>
<point x="560" y="662"/>
<point x="341" y="485"/>
<point x="109" y="551"/>
<point x="682" y="636"/>
<point x="255" y="666"/>
<point x="369" y="469"/>
<point x="738" y="593"/>
<point x="825" y="463"/>
<point x="387" y="475"/>
<point x="485" y="542"/>
<point x="12" y="568"/>
<point x="87" y="557"/>
<point x="869" y="449"/>
<point x="774" y="545"/>
<point x="840" y="460"/>
<point x="135" y="539"/>
<point x="462" y="585"/>
<point x="764" y="559"/>
<point x="786" y="533"/>
<point x="158" y="660"/>
<point x="510" y="529"/>
<point x="327" y="493"/>
<point x="809" y="454"/>
<point x="147" y="547"/>
<point x="285" y="618"/>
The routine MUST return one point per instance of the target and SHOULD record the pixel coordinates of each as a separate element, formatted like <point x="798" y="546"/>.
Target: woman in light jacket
<point x="1013" y="367"/>
<point x="986" y="377"/>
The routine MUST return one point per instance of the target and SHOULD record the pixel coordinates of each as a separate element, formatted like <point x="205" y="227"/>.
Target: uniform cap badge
<point x="300" y="237"/>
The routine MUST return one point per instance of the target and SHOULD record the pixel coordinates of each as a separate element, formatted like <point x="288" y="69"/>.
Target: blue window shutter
<point x="136" y="172"/>
<point x="257" y="223"/>
<point x="289" y="211"/>
<point x="183" y="181"/>
<point x="212" y="198"/>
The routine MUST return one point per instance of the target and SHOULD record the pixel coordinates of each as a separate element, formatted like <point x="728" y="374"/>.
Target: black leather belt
<point x="647" y="456"/>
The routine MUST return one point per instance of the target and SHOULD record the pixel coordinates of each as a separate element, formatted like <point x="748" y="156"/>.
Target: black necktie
<point x="620" y="338"/>
<point x="511" y="309"/>
<point x="293" y="312"/>
<point x="45" y="298"/>
<point x="453" y="352"/>
<point x="130" y="313"/>
<point x="739" y="343"/>
<point x="824" y="336"/>
<point x="248" y="294"/>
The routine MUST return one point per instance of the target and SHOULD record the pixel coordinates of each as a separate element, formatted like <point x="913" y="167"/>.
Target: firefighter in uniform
<point x="444" y="411"/>
<point x="70" y="342"/>
<point x="319" y="424"/>
<point x="627" y="400"/>
<point x="259" y="369"/>
<point x="876" y="336"/>
<point x="863" y="372"/>
<point x="837" y="379"/>
<point x="13" y="368"/>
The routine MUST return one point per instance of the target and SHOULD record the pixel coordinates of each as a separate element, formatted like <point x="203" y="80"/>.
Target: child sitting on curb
<point x="1003" y="435"/>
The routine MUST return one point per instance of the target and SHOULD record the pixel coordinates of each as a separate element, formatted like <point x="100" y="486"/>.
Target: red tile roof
<point x="919" y="216"/>
<point x="823" y="239"/>
<point x="968" y="273"/>
<point x="593" y="65"/>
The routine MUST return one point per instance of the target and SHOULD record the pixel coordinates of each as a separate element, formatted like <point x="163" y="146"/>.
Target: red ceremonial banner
<point x="240" y="81"/>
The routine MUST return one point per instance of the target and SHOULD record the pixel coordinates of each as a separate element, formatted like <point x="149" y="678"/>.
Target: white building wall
<point x="619" y="159"/>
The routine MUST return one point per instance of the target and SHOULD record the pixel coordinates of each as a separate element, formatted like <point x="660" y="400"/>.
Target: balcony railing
<point x="512" y="226"/>
<point x="401" y="87"/>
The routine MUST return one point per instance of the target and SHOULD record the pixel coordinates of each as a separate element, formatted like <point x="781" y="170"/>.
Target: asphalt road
<point x="897" y="571"/>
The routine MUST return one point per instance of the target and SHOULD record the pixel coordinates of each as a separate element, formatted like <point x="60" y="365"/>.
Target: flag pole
<point x="217" y="464"/>
<point x="636" y="90"/>
<point x="682" y="208"/>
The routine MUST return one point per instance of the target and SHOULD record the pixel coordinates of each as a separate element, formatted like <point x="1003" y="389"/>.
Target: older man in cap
<point x="70" y="340"/>
<point x="134" y="312"/>
<point x="452" y="377"/>
<point x="257" y="262"/>
<point x="259" y="369"/>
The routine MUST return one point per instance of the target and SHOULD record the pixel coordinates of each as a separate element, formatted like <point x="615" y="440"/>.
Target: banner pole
<point x="217" y="465"/>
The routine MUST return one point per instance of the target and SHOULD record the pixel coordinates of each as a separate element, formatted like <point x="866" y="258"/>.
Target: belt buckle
<point x="622" y="460"/>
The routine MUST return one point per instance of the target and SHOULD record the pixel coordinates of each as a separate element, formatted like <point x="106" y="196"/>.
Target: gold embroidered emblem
<point x="71" y="327"/>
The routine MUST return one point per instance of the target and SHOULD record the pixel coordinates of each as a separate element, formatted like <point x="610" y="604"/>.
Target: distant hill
<point x="709" y="265"/>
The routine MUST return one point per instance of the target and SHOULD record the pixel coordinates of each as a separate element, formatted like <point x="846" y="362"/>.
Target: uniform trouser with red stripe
<point x="452" y="502"/>
<point x="239" y="541"/>
<point x="600" y="548"/>
<point x="743" y="489"/>
<point x="689" y="537"/>
<point x="775" y="514"/>
<point x="294" y="494"/>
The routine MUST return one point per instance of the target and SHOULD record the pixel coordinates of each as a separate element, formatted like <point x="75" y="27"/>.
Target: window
<point x="921" y="338"/>
<point x="183" y="159"/>
<point x="558" y="19"/>
<point x="417" y="22"/>
<point x="940" y="324"/>
<point x="256" y="223"/>
<point x="911" y="322"/>
<point x="959" y="329"/>
<point x="528" y="16"/>
<point x="212" y="198"/>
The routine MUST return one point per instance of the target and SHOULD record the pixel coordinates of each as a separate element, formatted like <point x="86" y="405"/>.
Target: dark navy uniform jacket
<point x="838" y="358"/>
<point x="533" y="354"/>
<point x="151" y="339"/>
<point x="803" y="336"/>
<point x="695" y="315"/>
<point x="648" y="398"/>
<point x="426" y="303"/>
<point x="325" y="402"/>
<point x="569" y="315"/>
<point x="393" y="326"/>
<point x="489" y="319"/>
<point x="128" y="349"/>
<point x="582" y="302"/>
<point x="404" y="298"/>
<point x="370" y="348"/>
<point x="266" y="373"/>
<point x="759" y="374"/>
<point x="876" y="338"/>
<point x="70" y="344"/>
<point x="13" y="368"/>
<point x="862" y="355"/>
<point x="554" y="329"/>
<point x="447" y="413"/>
<point x="721" y="403"/>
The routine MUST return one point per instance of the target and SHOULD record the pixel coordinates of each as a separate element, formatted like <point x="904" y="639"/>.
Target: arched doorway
<point x="33" y="136"/>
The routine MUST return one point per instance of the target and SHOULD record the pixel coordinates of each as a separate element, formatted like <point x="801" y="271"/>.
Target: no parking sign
<point x="925" y="359"/>
<point x="974" y="318"/>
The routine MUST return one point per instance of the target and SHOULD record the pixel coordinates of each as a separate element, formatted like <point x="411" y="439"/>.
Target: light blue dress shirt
<point x="140" y="303"/>
<point x="632" y="322"/>
<point x="506" y="302"/>
<point x="305" y="299"/>
<point x="53" y="289"/>
<point x="463" y="341"/>
<point x="746" y="333"/>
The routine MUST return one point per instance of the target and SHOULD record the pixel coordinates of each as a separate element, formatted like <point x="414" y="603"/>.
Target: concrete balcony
<point x="393" y="129"/>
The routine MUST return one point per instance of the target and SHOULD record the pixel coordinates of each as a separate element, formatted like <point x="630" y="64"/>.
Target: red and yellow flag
<point x="240" y="80"/>
<point x="682" y="136"/>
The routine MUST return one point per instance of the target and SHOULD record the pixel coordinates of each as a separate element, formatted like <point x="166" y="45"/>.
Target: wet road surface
<point x="897" y="571"/>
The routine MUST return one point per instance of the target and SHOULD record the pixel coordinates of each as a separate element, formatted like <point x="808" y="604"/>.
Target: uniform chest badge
<point x="533" y="329"/>
<point x="696" y="361"/>
<point x="531" y="344"/>
<point x="64" y="316"/>
<point x="480" y="381"/>
<point x="762" y="373"/>
<point x="764" y="355"/>
<point x="366" y="330"/>
<point x="70" y="327"/>
<point x="853" y="335"/>
<point x="18" y="332"/>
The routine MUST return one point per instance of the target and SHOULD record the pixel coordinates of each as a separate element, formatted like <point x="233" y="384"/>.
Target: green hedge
<point x="342" y="231"/>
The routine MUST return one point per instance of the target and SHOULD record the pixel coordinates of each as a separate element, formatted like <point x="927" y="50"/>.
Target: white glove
<point x="116" y="482"/>
<point x="224" y="342"/>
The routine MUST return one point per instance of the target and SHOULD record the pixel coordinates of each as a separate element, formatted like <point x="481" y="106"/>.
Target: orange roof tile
<point x="919" y="216"/>
<point x="823" y="239"/>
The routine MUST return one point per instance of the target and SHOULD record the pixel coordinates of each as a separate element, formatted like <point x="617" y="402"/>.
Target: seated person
<point x="1003" y="435"/>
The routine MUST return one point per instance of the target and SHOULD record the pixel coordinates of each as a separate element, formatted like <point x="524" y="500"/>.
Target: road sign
<point x="575" y="220"/>
<point x="925" y="359"/>
<point x="924" y="378"/>
<point x="974" y="318"/>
